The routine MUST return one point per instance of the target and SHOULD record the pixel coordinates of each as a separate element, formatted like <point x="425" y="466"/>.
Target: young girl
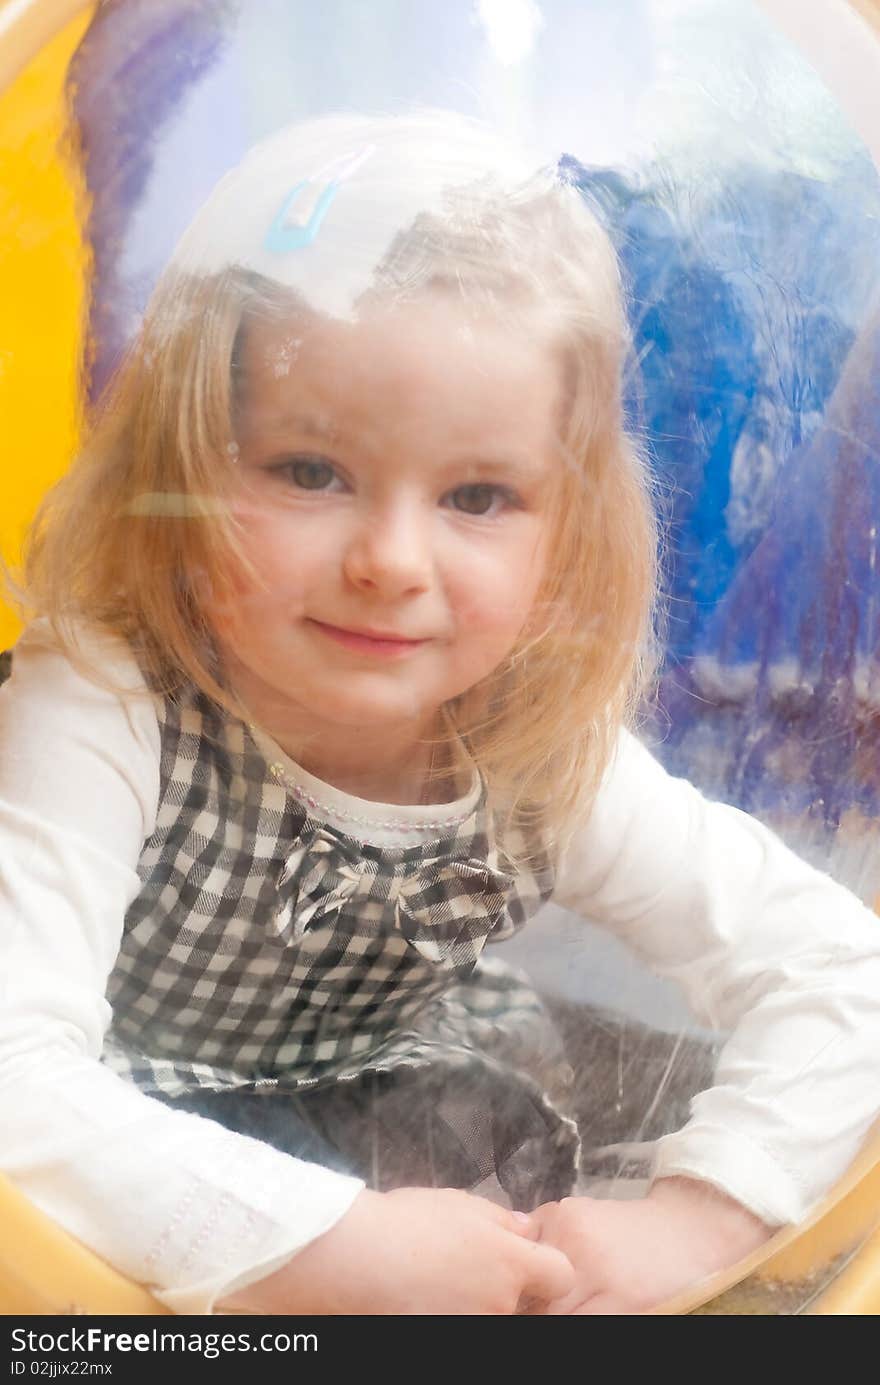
<point x="339" y="621"/>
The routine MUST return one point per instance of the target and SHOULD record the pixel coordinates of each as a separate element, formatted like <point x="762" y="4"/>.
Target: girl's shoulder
<point x="89" y="677"/>
<point x="80" y="741"/>
<point x="85" y="652"/>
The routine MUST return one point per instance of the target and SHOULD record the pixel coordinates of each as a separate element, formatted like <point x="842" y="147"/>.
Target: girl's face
<point x="396" y="480"/>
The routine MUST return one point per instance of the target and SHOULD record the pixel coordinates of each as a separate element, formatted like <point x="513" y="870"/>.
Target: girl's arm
<point x="765" y="947"/>
<point x="172" y="1200"/>
<point x="199" y="1214"/>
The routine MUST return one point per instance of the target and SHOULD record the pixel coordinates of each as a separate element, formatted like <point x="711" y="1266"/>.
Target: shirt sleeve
<point x="175" y="1201"/>
<point x="763" y="946"/>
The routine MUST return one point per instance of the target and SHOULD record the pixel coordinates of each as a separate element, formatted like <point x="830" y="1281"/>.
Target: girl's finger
<point x="545" y="1213"/>
<point x="601" y="1305"/>
<point x="525" y="1225"/>
<point x="549" y="1273"/>
<point x="530" y="1307"/>
<point x="564" y="1307"/>
<point x="520" y="1223"/>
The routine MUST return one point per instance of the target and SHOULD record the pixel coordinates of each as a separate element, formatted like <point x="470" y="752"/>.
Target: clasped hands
<point x="438" y="1251"/>
<point x="627" y="1256"/>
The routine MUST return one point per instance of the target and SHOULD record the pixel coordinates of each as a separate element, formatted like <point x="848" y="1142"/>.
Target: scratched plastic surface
<point x="745" y="211"/>
<point x="744" y="208"/>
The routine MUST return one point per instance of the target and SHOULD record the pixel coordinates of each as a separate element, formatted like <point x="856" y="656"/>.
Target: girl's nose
<point x="389" y="552"/>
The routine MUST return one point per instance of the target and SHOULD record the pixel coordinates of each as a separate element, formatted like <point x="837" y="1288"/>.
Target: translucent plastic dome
<point x="729" y="152"/>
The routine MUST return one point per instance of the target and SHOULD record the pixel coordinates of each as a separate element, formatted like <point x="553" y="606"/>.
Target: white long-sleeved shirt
<point x="762" y="944"/>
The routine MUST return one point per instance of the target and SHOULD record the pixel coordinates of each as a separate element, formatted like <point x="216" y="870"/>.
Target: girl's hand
<point x="416" y="1251"/>
<point x="629" y="1256"/>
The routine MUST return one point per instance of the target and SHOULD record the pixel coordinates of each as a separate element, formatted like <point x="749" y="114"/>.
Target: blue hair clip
<point x="284" y="235"/>
<point x="281" y="237"/>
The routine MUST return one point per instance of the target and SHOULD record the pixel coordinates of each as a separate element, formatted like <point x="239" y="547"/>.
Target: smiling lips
<point x="367" y="642"/>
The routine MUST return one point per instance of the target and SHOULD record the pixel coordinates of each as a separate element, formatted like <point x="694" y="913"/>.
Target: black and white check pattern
<point x="267" y="950"/>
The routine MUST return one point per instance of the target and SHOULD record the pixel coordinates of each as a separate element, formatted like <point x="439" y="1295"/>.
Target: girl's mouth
<point x="368" y="641"/>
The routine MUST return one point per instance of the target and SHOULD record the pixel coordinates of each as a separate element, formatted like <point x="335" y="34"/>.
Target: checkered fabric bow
<point x="444" y="906"/>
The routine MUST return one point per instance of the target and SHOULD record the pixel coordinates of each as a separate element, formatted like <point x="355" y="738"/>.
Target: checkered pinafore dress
<point x="270" y="952"/>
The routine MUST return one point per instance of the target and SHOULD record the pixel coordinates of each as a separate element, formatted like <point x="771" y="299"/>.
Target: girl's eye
<point x="308" y="473"/>
<point x="480" y="498"/>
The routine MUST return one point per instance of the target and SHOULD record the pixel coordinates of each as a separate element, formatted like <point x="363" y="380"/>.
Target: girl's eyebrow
<point x="312" y="425"/>
<point x="511" y="468"/>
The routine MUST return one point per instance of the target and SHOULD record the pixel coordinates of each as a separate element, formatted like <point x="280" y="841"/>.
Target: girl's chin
<point x="373" y="700"/>
<point x="368" y="717"/>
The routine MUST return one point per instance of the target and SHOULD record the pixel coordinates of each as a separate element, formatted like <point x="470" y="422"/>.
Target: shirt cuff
<point x="219" y="1246"/>
<point x="736" y="1166"/>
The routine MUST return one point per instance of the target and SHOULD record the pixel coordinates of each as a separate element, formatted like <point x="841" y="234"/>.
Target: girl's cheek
<point x="496" y="621"/>
<point x="229" y="603"/>
<point x="496" y="595"/>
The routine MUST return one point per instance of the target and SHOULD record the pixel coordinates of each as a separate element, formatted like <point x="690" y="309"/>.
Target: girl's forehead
<point x="395" y="368"/>
<point x="431" y="329"/>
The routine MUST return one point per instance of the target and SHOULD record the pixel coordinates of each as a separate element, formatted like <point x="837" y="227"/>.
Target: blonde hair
<point x="139" y="538"/>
